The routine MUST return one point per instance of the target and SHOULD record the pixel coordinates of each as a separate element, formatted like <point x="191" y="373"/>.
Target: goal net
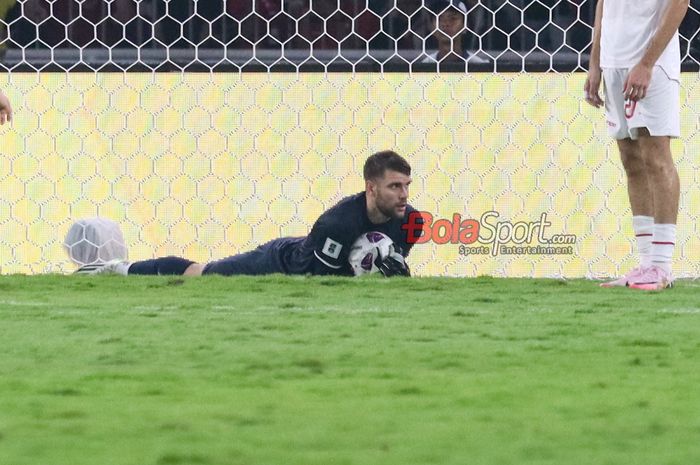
<point x="204" y="128"/>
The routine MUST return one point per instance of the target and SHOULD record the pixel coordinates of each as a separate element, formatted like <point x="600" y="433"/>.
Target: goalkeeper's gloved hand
<point x="392" y="265"/>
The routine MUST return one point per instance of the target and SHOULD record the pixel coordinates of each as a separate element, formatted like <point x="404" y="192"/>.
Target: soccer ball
<point x="95" y="240"/>
<point x="366" y="248"/>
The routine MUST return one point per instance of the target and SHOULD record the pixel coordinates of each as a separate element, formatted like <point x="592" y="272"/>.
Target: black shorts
<point x="268" y="258"/>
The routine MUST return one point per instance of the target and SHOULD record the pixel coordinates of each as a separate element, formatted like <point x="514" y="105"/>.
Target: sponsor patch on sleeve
<point x="331" y="248"/>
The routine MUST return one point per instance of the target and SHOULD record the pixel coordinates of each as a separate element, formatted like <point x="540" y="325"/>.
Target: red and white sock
<point x="662" y="245"/>
<point x="644" y="232"/>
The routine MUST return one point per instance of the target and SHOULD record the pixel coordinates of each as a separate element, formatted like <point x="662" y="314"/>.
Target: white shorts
<point x="658" y="111"/>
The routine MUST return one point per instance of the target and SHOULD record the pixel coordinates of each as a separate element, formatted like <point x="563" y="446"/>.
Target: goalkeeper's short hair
<point x="378" y="163"/>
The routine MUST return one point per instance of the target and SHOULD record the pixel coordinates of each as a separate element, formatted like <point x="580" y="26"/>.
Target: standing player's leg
<point x="640" y="196"/>
<point x="658" y="120"/>
<point x="638" y="187"/>
<point x="632" y="157"/>
<point x="665" y="189"/>
<point x="663" y="176"/>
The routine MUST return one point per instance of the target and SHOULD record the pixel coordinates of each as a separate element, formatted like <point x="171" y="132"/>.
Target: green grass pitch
<point x="288" y="370"/>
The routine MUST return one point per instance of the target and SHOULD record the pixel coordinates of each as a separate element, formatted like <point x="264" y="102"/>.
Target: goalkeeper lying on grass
<point x="381" y="207"/>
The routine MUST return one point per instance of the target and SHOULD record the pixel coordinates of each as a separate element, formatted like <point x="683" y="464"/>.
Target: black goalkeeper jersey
<point x="325" y="250"/>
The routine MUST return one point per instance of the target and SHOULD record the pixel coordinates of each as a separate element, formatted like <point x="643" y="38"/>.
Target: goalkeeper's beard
<point x="390" y="213"/>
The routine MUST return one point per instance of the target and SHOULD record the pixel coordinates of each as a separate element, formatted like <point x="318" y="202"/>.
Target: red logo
<point x="630" y="106"/>
<point x="420" y="229"/>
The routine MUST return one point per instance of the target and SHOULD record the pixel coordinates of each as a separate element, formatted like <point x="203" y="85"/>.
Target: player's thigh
<point x="255" y="262"/>
<point x="659" y="110"/>
<point x="615" y="104"/>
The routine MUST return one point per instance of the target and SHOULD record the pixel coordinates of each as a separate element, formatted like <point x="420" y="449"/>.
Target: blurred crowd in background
<point x="519" y="25"/>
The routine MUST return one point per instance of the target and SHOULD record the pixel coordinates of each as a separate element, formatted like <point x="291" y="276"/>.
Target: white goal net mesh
<point x="204" y="128"/>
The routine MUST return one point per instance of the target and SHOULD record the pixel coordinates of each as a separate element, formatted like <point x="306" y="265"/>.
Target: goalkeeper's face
<point x="390" y="194"/>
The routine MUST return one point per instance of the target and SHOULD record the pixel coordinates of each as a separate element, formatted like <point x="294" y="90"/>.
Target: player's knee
<point x="631" y="154"/>
<point x="632" y="161"/>
<point x="194" y="269"/>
